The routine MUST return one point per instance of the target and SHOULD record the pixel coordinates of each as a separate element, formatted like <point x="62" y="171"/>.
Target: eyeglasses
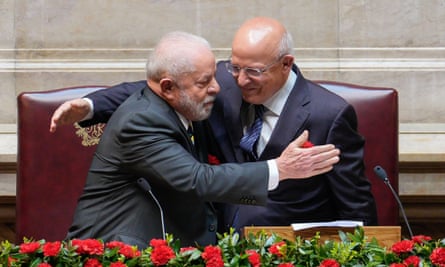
<point x="251" y="72"/>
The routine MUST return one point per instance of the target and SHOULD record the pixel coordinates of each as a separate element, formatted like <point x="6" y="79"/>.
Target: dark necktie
<point x="190" y="133"/>
<point x="250" y="138"/>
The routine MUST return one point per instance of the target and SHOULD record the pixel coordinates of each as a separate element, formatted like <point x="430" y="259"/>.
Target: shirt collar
<point x="276" y="103"/>
<point x="185" y="122"/>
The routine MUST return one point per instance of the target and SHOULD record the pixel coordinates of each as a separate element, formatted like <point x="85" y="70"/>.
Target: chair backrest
<point x="51" y="168"/>
<point x="378" y="122"/>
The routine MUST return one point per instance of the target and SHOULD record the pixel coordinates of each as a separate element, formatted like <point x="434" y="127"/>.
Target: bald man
<point x="261" y="72"/>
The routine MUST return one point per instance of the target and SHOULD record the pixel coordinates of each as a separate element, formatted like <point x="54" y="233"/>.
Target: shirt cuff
<point x="274" y="178"/>
<point x="91" y="112"/>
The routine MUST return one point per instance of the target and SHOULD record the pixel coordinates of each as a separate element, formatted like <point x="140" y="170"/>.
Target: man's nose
<point x="214" y="87"/>
<point x="242" y="78"/>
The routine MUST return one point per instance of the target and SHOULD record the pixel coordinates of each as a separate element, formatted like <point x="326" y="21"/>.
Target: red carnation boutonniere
<point x="307" y="144"/>
<point x="213" y="160"/>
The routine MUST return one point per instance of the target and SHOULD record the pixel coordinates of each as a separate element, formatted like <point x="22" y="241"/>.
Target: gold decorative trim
<point x="90" y="135"/>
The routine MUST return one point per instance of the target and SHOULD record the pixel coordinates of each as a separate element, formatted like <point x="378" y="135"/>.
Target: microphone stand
<point x="382" y="175"/>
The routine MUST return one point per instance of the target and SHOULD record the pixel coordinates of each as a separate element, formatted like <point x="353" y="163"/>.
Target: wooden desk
<point x="385" y="235"/>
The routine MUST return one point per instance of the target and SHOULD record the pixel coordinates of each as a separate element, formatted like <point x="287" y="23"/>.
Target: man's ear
<point x="288" y="62"/>
<point x="167" y="87"/>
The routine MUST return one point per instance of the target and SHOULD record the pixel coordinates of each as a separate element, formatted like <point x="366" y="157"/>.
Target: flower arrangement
<point x="231" y="250"/>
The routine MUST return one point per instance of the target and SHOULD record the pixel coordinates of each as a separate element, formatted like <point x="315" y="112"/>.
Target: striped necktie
<point x="250" y="138"/>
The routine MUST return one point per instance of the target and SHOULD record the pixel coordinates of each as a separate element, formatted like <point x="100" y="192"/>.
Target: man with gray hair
<point x="146" y="177"/>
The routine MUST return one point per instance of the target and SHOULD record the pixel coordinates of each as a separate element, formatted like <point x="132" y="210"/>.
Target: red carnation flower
<point x="11" y="261"/>
<point x="412" y="261"/>
<point x="185" y="249"/>
<point x="129" y="251"/>
<point x="254" y="258"/>
<point x="92" y="263"/>
<point x="114" y="244"/>
<point x="402" y="247"/>
<point x="419" y="239"/>
<point x="88" y="246"/>
<point x="44" y="264"/>
<point x="213" y="160"/>
<point x="277" y="248"/>
<point x="397" y="265"/>
<point x="161" y="255"/>
<point x="437" y="257"/>
<point x="329" y="263"/>
<point x="51" y="249"/>
<point x="212" y="256"/>
<point x="30" y="247"/>
<point x="158" y="242"/>
<point x="118" y="264"/>
<point x="307" y="144"/>
<point x="287" y="264"/>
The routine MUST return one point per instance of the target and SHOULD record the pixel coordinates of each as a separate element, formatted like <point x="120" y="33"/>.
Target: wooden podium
<point x="385" y="235"/>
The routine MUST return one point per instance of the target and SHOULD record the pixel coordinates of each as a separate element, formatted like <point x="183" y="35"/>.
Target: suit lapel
<point x="200" y="141"/>
<point x="225" y="119"/>
<point x="291" y="122"/>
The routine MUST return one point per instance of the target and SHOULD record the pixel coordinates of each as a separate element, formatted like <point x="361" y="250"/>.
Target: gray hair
<point x="173" y="55"/>
<point x="286" y="45"/>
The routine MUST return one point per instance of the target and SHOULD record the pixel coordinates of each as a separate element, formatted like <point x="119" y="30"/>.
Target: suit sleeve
<point x="106" y="101"/>
<point x="159" y="153"/>
<point x="351" y="189"/>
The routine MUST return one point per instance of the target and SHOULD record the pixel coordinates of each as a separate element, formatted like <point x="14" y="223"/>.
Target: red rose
<point x="44" y="264"/>
<point x="412" y="261"/>
<point x="397" y="265"/>
<point x="278" y="248"/>
<point x="92" y="263"/>
<point x="161" y="255"/>
<point x="437" y="257"/>
<point x="287" y="264"/>
<point x="254" y="258"/>
<point x="118" y="264"/>
<point x="307" y="144"/>
<point x="88" y="246"/>
<point x="51" y="248"/>
<point x="212" y="256"/>
<point x="402" y="247"/>
<point x="419" y="239"/>
<point x="158" y="242"/>
<point x="30" y="247"/>
<point x="329" y="263"/>
<point x="213" y="160"/>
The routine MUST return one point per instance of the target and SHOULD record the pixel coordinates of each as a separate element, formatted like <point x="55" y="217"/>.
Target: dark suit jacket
<point x="145" y="138"/>
<point x="344" y="193"/>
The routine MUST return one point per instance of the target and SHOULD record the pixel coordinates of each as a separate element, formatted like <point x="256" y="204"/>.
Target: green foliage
<point x="260" y="249"/>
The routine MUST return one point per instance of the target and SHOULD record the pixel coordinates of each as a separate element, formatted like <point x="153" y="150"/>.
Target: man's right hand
<point x="297" y="163"/>
<point x="69" y="112"/>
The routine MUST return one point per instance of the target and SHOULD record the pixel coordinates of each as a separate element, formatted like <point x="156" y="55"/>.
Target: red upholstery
<point x="377" y="112"/>
<point x="51" y="168"/>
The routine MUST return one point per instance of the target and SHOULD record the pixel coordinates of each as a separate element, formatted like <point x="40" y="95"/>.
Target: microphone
<point x="382" y="175"/>
<point x="147" y="188"/>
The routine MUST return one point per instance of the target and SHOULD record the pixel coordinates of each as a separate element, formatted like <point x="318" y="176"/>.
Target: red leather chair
<point x="51" y="168"/>
<point x="378" y="122"/>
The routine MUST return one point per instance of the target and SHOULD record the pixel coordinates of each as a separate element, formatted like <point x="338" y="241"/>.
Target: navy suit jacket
<point x="343" y="193"/>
